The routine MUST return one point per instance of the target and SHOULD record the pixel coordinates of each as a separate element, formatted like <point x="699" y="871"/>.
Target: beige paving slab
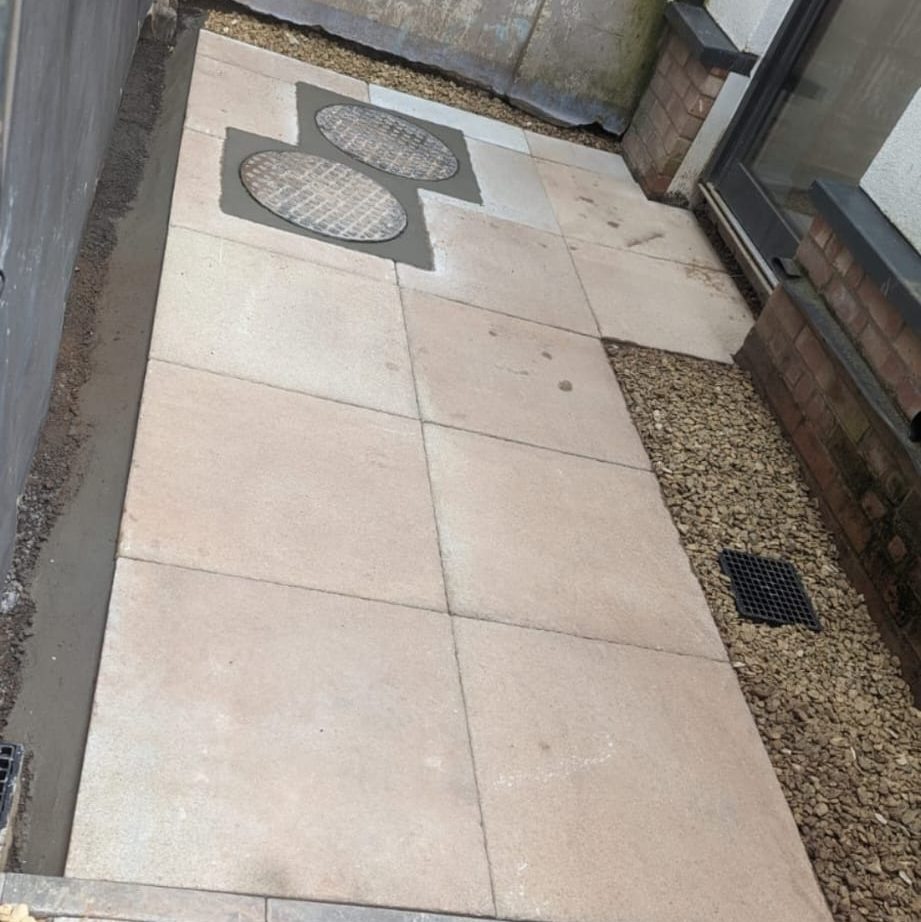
<point x="623" y="785"/>
<point x="196" y="205"/>
<point x="518" y="380"/>
<point x="262" y="739"/>
<point x="599" y="209"/>
<point x="473" y="126"/>
<point x="502" y="266"/>
<point x="301" y="911"/>
<point x="249" y="480"/>
<point x="548" y="540"/>
<point x="510" y="186"/>
<point x="238" y="310"/>
<point x="557" y="150"/>
<point x="223" y="95"/>
<point x="278" y="66"/>
<point x="665" y="305"/>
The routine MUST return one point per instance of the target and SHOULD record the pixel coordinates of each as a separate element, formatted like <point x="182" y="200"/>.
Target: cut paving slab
<point x="501" y="266"/>
<point x="544" y="147"/>
<point x="685" y="309"/>
<point x="248" y="480"/>
<point x="624" y="785"/>
<point x="240" y="311"/>
<point x="266" y="739"/>
<point x="518" y="380"/>
<point x="547" y="540"/>
<point x="611" y="212"/>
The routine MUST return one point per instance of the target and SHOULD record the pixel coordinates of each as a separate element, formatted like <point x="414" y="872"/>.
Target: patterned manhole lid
<point x="387" y="142"/>
<point x="322" y="196"/>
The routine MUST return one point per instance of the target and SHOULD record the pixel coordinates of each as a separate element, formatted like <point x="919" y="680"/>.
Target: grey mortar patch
<point x="413" y="246"/>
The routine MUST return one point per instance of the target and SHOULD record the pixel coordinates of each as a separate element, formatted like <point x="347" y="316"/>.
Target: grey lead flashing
<point x="877" y="244"/>
<point x="709" y="44"/>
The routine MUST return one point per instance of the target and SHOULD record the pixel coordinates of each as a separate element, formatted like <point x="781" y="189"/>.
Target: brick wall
<point x="892" y="349"/>
<point x="672" y="109"/>
<point x="849" y="423"/>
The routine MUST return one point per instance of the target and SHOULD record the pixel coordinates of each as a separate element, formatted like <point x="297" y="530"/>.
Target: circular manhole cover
<point x="387" y="142"/>
<point x="323" y="196"/>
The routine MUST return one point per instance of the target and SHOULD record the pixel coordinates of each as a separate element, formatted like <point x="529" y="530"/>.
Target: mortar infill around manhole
<point x="387" y="142"/>
<point x="10" y="761"/>
<point x="768" y="590"/>
<point x="323" y="196"/>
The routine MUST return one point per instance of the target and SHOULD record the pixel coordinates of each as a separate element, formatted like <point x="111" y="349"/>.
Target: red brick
<point x="884" y="360"/>
<point x="813" y="454"/>
<point x="661" y="90"/>
<point x="832" y="248"/>
<point x="820" y="414"/>
<point x="908" y="346"/>
<point x="786" y="312"/>
<point x="855" y="276"/>
<point x="887" y="318"/>
<point x="719" y="72"/>
<point x="686" y="124"/>
<point x="846" y="307"/>
<point x="820" y="230"/>
<point x="659" y="118"/>
<point x="883" y="467"/>
<point x="908" y="397"/>
<point x="679" y="81"/>
<point x="700" y="106"/>
<point x="873" y="506"/>
<point x="850" y="516"/>
<point x="817" y="361"/>
<point x="896" y="549"/>
<point x="848" y="410"/>
<point x="679" y="50"/>
<point x="843" y="261"/>
<point x="801" y="384"/>
<point x="812" y="258"/>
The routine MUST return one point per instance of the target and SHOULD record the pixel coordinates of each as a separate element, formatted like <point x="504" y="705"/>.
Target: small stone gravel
<point x="834" y="713"/>
<point x="323" y="50"/>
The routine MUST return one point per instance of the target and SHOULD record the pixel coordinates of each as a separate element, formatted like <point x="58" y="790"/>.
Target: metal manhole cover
<point x="387" y="142"/>
<point x="768" y="590"/>
<point x="323" y="196"/>
<point x="10" y="759"/>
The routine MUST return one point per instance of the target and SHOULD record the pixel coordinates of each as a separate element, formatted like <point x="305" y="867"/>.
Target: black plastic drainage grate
<point x="768" y="590"/>
<point x="10" y="759"/>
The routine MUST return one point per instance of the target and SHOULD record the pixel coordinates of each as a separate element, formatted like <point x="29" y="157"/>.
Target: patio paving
<point x="400" y="618"/>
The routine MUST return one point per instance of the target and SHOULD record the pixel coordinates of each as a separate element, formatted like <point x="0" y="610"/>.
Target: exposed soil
<point x="834" y="713"/>
<point x="324" y="50"/>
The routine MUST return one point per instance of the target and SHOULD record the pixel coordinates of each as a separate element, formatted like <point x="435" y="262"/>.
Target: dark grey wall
<point x="70" y="63"/>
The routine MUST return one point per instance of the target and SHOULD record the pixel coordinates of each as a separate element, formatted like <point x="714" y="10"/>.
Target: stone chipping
<point x="833" y="710"/>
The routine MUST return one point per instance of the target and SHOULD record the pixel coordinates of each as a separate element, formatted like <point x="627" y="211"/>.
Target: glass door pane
<point x="833" y="106"/>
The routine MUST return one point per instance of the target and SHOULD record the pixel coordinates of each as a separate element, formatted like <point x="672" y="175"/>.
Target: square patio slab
<point x="599" y="209"/>
<point x="519" y="380"/>
<point x="278" y="66"/>
<point x="511" y="186"/>
<point x="256" y="738"/>
<point x="543" y="147"/>
<point x="501" y="266"/>
<point x="223" y="95"/>
<point x="241" y="311"/>
<point x="472" y="125"/>
<point x="249" y="480"/>
<point x="196" y="205"/>
<point x="538" y="538"/>
<point x="665" y="305"/>
<point x="623" y="785"/>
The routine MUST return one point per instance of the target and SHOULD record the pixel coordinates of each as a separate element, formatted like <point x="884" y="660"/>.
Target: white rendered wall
<point x="893" y="179"/>
<point x="752" y="25"/>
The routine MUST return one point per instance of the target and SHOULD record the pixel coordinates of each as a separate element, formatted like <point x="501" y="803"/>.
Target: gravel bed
<point x="324" y="50"/>
<point x="834" y="713"/>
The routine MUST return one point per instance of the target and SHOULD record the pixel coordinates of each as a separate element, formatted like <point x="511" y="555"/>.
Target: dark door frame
<point x="767" y="227"/>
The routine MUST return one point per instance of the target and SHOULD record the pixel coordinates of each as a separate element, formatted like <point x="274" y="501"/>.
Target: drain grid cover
<point x="387" y="142"/>
<point x="10" y="758"/>
<point x="768" y="590"/>
<point x="322" y="196"/>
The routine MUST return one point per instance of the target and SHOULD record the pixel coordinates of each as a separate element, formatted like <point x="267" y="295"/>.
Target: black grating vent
<point x="768" y="590"/>
<point x="10" y="761"/>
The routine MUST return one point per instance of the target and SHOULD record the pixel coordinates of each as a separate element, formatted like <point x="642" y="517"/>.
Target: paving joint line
<point x="662" y="259"/>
